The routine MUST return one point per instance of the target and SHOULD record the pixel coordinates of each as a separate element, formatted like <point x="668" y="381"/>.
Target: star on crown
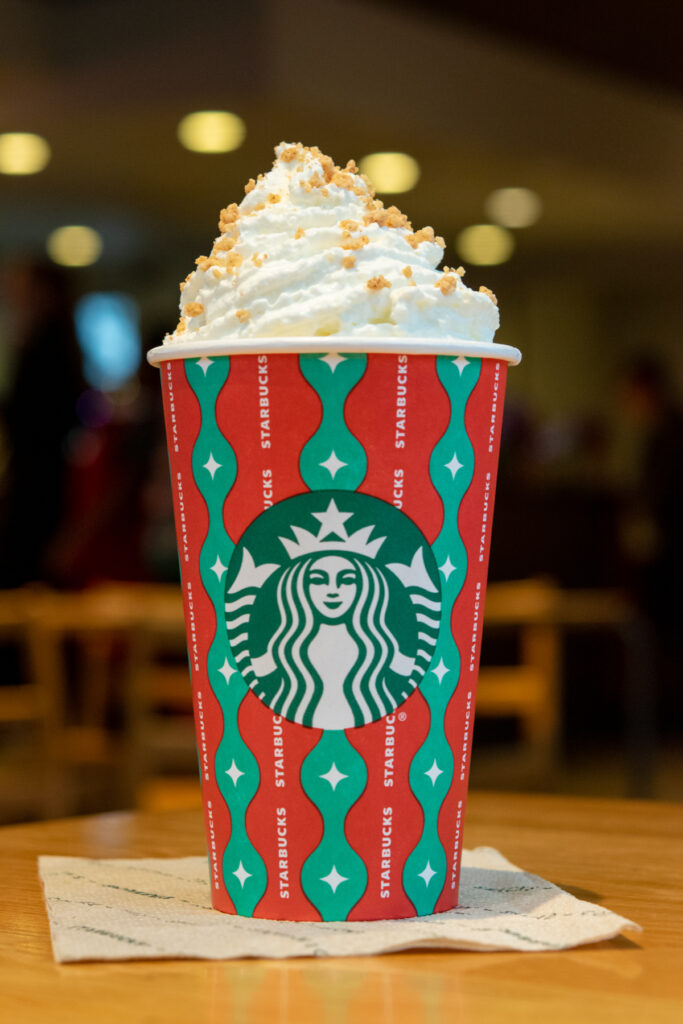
<point x="332" y="522"/>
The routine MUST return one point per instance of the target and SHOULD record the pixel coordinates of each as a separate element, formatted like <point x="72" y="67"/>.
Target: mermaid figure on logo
<point x="333" y="661"/>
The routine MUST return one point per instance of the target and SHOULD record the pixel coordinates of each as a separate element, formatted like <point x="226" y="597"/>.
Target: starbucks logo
<point x="333" y="607"/>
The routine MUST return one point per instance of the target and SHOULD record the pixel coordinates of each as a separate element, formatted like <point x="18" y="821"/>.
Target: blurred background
<point x="545" y="143"/>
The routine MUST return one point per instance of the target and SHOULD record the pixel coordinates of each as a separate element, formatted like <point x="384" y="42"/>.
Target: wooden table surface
<point x="625" y="855"/>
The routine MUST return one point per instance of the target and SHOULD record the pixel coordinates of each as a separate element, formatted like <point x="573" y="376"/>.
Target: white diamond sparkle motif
<point x="333" y="359"/>
<point x="433" y="772"/>
<point x="440" y="671"/>
<point x="212" y="465"/>
<point x="241" y="874"/>
<point x="218" y="567"/>
<point x="227" y="671"/>
<point x="461" y="363"/>
<point x="334" y="879"/>
<point x="454" y="465"/>
<point x="334" y="776"/>
<point x="447" y="568"/>
<point x="205" y="363"/>
<point x="333" y="465"/>
<point x="234" y="772"/>
<point x="427" y="874"/>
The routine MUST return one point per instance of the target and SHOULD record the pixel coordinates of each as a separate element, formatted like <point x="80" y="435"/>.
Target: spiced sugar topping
<point x="375" y="284"/>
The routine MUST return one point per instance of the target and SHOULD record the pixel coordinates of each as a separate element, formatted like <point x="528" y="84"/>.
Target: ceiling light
<point x="391" y="172"/>
<point x="74" y="246"/>
<point x="212" y="131"/>
<point x="485" y="245"/>
<point x="23" y="153"/>
<point x="513" y="207"/>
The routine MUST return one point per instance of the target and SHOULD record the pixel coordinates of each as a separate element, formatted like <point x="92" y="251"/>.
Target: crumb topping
<point x="219" y="260"/>
<point x="243" y="315"/>
<point x="224" y="243"/>
<point x="447" y="284"/>
<point x="349" y="261"/>
<point x="233" y="261"/>
<point x="389" y="218"/>
<point x="375" y="284"/>
<point x="315" y="181"/>
<point x="250" y="186"/>
<point x="228" y="216"/>
<point x="355" y="243"/>
<point x="487" y="291"/>
<point x="423" y="235"/>
<point x="329" y="167"/>
<point x="299" y="233"/>
<point x="194" y="309"/>
<point x="274" y="197"/>
<point x="407" y="271"/>
<point x="343" y="179"/>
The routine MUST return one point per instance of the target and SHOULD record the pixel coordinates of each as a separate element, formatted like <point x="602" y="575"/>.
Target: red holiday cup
<point x="333" y="505"/>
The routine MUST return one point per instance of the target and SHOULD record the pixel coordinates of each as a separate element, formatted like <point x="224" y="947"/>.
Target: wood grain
<point x="626" y="855"/>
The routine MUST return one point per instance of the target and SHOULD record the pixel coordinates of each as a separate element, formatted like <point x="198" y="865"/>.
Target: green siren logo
<point x="333" y="607"/>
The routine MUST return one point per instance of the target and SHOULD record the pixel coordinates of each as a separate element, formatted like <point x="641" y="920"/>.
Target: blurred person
<point x="652" y="540"/>
<point x="651" y="533"/>
<point x="119" y="523"/>
<point x="555" y="501"/>
<point x="38" y="413"/>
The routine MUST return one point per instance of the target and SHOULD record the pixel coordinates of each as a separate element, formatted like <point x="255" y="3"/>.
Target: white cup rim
<point x="336" y="343"/>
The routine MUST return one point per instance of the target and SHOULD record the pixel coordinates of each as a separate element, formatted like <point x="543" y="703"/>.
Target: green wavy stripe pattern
<point x="333" y="458"/>
<point x="214" y="467"/>
<point x="334" y="776"/>
<point x="431" y="772"/>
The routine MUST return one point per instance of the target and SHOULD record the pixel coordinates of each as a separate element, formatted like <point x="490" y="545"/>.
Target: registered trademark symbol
<point x="402" y="716"/>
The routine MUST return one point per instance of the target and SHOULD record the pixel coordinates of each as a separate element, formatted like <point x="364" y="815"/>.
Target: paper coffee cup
<point x="333" y="503"/>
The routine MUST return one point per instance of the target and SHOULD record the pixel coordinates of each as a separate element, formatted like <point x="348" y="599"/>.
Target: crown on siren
<point x="332" y="521"/>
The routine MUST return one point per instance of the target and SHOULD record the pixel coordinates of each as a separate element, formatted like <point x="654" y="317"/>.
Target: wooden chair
<point x="79" y="653"/>
<point x="529" y="689"/>
<point x="29" y="718"/>
<point x="160" y="735"/>
<point x="104" y="700"/>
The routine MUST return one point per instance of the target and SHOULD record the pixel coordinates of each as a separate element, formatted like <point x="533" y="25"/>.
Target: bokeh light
<point x="74" y="245"/>
<point x="212" y="131"/>
<point x="485" y="245"/>
<point x="513" y="207"/>
<point x="23" y="153"/>
<point x="108" y="330"/>
<point x="391" y="172"/>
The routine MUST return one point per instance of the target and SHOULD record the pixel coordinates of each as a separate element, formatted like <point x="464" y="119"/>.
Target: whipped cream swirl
<point x="310" y="252"/>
